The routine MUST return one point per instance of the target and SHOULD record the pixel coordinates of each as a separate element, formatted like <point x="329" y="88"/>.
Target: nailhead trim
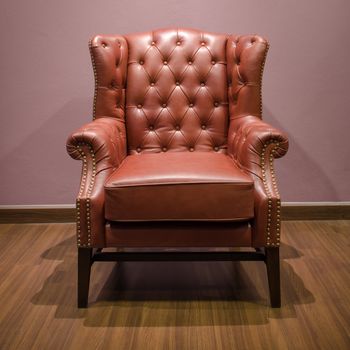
<point x="95" y="77"/>
<point x="261" y="75"/>
<point x="264" y="167"/>
<point x="88" y="194"/>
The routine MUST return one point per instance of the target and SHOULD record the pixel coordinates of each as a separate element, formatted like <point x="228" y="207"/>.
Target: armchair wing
<point x="101" y="145"/>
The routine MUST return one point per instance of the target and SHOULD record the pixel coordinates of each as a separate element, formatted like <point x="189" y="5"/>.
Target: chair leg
<point x="84" y="268"/>
<point x="273" y="275"/>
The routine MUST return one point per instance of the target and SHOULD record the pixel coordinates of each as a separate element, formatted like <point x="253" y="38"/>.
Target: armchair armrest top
<point x="251" y="136"/>
<point x="104" y="136"/>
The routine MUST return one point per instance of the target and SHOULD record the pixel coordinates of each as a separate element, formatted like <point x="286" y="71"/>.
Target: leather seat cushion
<point x="179" y="186"/>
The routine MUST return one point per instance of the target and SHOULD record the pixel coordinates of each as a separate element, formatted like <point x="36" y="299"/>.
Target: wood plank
<point x="175" y="305"/>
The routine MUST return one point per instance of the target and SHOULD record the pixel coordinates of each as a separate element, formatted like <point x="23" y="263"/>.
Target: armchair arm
<point x="101" y="145"/>
<point x="254" y="144"/>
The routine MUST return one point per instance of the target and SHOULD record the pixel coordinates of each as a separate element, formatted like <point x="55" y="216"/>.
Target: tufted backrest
<point x="176" y="97"/>
<point x="177" y="89"/>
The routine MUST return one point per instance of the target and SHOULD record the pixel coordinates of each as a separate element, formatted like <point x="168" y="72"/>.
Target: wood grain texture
<point x="174" y="305"/>
<point x="36" y="215"/>
<point x="339" y="211"/>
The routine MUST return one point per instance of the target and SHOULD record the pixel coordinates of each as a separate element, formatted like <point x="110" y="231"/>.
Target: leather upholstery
<point x="185" y="92"/>
<point x="109" y="55"/>
<point x="174" y="101"/>
<point x="179" y="234"/>
<point x="254" y="145"/>
<point x="101" y="145"/>
<point x="179" y="186"/>
<point x="245" y="63"/>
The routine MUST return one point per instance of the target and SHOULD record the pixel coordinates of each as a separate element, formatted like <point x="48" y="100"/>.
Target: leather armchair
<point x="177" y="154"/>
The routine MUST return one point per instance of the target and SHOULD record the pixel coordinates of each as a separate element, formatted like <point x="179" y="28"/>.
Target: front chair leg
<point x="273" y="275"/>
<point x="84" y="268"/>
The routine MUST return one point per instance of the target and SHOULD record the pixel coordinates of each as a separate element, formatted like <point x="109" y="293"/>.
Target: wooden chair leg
<point x="273" y="275"/>
<point x="84" y="268"/>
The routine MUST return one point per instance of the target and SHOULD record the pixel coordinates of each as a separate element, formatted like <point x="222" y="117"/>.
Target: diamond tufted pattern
<point x="176" y="98"/>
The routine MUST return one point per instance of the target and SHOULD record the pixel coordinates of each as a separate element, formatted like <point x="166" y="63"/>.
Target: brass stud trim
<point x="95" y="77"/>
<point x="268" y="167"/>
<point x="88" y="193"/>
<point x="261" y="75"/>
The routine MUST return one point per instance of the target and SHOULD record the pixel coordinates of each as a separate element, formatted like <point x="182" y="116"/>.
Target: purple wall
<point x="47" y="85"/>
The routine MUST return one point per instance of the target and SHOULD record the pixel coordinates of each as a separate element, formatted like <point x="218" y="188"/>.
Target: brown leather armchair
<point x="177" y="154"/>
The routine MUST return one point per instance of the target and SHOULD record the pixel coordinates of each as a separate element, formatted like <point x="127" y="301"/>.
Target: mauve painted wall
<point x="47" y="85"/>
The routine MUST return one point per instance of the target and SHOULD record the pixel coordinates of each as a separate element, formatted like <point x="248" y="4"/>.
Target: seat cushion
<point x="179" y="186"/>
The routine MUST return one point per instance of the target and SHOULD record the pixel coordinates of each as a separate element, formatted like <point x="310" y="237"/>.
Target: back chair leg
<point x="84" y="268"/>
<point x="273" y="275"/>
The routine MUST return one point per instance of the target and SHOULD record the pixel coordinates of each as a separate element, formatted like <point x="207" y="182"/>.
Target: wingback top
<point x="177" y="89"/>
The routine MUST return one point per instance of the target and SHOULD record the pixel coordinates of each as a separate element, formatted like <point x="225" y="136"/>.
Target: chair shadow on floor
<point x="141" y="294"/>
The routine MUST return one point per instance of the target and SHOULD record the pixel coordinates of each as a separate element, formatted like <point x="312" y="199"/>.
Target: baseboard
<point x="66" y="213"/>
<point x="316" y="211"/>
<point x="21" y="214"/>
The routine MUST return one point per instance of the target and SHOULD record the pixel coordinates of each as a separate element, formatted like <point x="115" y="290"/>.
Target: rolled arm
<point x="101" y="145"/>
<point x="254" y="144"/>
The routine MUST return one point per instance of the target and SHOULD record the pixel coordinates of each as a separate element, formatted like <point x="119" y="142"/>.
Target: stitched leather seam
<point x="172" y="183"/>
<point x="155" y="220"/>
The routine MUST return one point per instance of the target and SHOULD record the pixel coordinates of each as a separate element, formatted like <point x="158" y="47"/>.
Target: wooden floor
<point x="168" y="305"/>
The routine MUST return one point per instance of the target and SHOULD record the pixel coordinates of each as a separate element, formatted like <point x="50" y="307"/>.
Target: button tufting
<point x="179" y="99"/>
<point x="104" y="45"/>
